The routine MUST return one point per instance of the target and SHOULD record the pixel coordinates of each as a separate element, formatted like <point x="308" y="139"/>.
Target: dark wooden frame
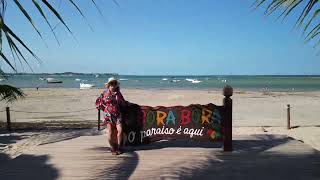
<point x="227" y="103"/>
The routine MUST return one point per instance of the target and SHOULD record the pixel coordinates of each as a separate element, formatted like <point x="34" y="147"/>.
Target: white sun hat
<point x="111" y="79"/>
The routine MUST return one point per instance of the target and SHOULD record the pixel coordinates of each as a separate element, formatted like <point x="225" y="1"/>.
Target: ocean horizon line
<point x="161" y="75"/>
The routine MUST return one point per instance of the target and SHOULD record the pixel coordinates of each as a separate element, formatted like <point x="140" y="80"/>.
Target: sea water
<point x="238" y="82"/>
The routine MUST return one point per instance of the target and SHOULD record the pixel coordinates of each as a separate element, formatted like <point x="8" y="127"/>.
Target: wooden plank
<point x="87" y="157"/>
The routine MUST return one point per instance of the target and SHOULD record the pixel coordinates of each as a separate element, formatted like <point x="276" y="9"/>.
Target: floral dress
<point x="110" y="102"/>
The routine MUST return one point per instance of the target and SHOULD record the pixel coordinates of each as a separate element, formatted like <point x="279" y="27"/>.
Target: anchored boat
<point x="52" y="80"/>
<point x="86" y="86"/>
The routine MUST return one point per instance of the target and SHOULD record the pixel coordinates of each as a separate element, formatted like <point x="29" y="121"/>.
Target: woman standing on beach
<point x="110" y="101"/>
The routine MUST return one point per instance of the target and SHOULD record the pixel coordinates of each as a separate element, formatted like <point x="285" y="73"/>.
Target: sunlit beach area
<point x="159" y="90"/>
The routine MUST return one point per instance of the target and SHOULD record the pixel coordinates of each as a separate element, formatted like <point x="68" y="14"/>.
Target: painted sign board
<point x="145" y="124"/>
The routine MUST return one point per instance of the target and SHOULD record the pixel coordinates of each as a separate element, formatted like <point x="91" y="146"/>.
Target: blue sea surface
<point x="238" y="82"/>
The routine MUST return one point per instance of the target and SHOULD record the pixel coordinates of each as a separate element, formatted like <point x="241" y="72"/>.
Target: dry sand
<point x="253" y="112"/>
<point x="259" y="156"/>
<point x="250" y="108"/>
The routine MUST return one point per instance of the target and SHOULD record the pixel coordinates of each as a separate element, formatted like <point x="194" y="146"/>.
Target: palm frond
<point x="288" y="6"/>
<point x="81" y="13"/>
<point x="315" y="14"/>
<point x="55" y="12"/>
<point x="16" y="50"/>
<point x="97" y="7"/>
<point x="26" y="14"/>
<point x="37" y="5"/>
<point x="9" y="93"/>
<point x="2" y="74"/>
<point x="116" y="3"/>
<point x="7" y="61"/>
<point x="1" y="34"/>
<point x="16" y="43"/>
<point x="6" y="29"/>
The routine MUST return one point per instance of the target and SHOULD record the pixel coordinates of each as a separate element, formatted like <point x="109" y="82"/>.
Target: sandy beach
<point x="253" y="112"/>
<point x="174" y="63"/>
<point x="257" y="115"/>
<point x="249" y="108"/>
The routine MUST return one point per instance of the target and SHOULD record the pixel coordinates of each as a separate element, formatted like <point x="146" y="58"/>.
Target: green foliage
<point x="15" y="42"/>
<point x="10" y="93"/>
<point x="306" y="19"/>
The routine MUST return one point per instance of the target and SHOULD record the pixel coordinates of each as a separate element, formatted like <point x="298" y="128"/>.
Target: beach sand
<point x="249" y="108"/>
<point x="253" y="112"/>
<point x="259" y="120"/>
<point x="83" y="154"/>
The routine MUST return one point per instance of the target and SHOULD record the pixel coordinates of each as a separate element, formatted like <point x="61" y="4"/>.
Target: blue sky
<point x="167" y="37"/>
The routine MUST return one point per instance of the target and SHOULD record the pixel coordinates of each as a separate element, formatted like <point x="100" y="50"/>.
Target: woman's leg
<point x="109" y="136"/>
<point x="119" y="135"/>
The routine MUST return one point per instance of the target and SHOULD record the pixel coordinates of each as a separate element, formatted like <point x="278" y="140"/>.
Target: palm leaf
<point x="45" y="18"/>
<point x="25" y="13"/>
<point x="97" y="7"/>
<point x="10" y="93"/>
<point x="256" y="4"/>
<point x="15" y="42"/>
<point x="7" y="61"/>
<point x="313" y="33"/>
<point x="306" y="11"/>
<point x="2" y="74"/>
<point x="53" y="10"/>
<point x="273" y="6"/>
<point x="14" y="55"/>
<point x="80" y="12"/>
<point x="8" y="30"/>
<point x="1" y="22"/>
<point x="116" y="3"/>
<point x="288" y="6"/>
<point x="315" y="14"/>
<point x="17" y="51"/>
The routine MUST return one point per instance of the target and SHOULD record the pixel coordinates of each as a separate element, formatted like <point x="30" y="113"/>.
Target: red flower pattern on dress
<point x="110" y="102"/>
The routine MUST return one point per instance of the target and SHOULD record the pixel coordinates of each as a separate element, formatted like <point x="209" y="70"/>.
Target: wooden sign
<point x="144" y="124"/>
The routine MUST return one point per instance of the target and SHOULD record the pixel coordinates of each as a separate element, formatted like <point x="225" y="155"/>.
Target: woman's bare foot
<point x="118" y="150"/>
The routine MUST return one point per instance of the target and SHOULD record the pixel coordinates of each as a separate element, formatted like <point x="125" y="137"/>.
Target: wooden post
<point x="227" y="103"/>
<point x="8" y="119"/>
<point x="288" y="116"/>
<point x="99" y="119"/>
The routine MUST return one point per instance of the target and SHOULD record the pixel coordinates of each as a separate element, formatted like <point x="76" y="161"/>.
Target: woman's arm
<point x="120" y="99"/>
<point x="99" y="102"/>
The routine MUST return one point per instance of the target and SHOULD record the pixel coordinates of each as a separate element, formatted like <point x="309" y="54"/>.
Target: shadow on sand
<point x="124" y="165"/>
<point x="26" y="167"/>
<point x="262" y="157"/>
<point x="254" y="157"/>
<point x="30" y="166"/>
<point x="63" y="135"/>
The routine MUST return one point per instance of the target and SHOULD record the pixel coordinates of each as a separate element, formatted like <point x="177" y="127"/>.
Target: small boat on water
<point x="52" y="80"/>
<point x="175" y="80"/>
<point x="77" y="79"/>
<point x="190" y="80"/>
<point x="86" y="86"/>
<point x="164" y="79"/>
<point x="196" y="81"/>
<point x="123" y="79"/>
